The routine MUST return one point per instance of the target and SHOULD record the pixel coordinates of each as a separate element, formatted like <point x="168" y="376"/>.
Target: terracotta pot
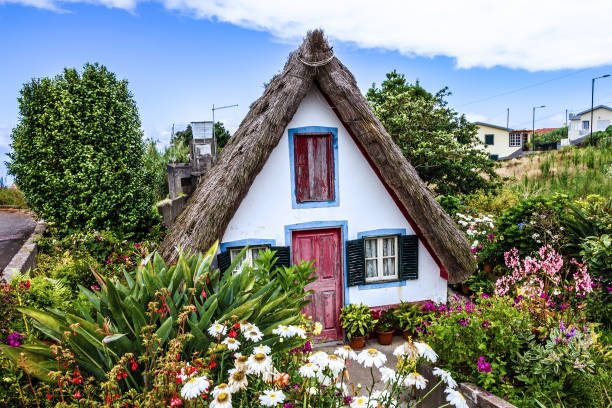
<point x="488" y="268"/>
<point x="407" y="334"/>
<point x="357" y="343"/>
<point x="384" y="338"/>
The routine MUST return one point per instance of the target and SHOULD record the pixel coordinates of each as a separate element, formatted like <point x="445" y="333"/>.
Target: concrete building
<point x="580" y="123"/>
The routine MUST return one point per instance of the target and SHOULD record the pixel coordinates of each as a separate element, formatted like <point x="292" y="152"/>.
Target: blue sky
<point x="181" y="56"/>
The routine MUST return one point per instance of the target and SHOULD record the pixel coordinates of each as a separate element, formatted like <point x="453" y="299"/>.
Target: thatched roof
<point x="215" y="201"/>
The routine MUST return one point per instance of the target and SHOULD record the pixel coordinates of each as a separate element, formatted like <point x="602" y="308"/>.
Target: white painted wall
<point x="364" y="204"/>
<point x="602" y="118"/>
<point x="501" y="141"/>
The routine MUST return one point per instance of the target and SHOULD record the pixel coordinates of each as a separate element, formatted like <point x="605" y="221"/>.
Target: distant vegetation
<point x="11" y="196"/>
<point x="552" y="136"/>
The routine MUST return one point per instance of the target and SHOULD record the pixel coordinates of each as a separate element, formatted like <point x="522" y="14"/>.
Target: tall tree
<point x="78" y="152"/>
<point x="441" y="144"/>
<point x="222" y="135"/>
<point x="186" y="135"/>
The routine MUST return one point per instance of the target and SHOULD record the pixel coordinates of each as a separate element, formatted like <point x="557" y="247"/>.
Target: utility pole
<point x="213" y="122"/>
<point x="566" y="123"/>
<point x="507" y="118"/>
<point x="592" y="99"/>
<point x="533" y="122"/>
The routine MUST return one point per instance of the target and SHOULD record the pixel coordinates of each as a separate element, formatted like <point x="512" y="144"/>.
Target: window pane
<point x="256" y="253"/>
<point x="370" y="248"/>
<point x="388" y="246"/>
<point x="371" y="268"/>
<point x="389" y="267"/>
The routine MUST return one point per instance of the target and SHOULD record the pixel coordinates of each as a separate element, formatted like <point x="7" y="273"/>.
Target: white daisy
<point x="217" y="330"/>
<point x="186" y="373"/>
<point x="323" y="379"/>
<point x="455" y="398"/>
<point x="223" y="400"/>
<point x="371" y="357"/>
<point x="254" y="334"/>
<point x="262" y="349"/>
<point x="335" y="363"/>
<point x="258" y="364"/>
<point x="417" y="380"/>
<point x="313" y="390"/>
<point x="237" y="380"/>
<point x="308" y="370"/>
<point x="407" y="350"/>
<point x="346" y="352"/>
<point x="426" y="352"/>
<point x="359" y="402"/>
<point x="445" y="376"/>
<point x="271" y="397"/>
<point x="241" y="362"/>
<point x="221" y="388"/>
<point x="341" y="386"/>
<point x="284" y="331"/>
<point x="299" y="332"/>
<point x="194" y="387"/>
<point x="386" y="374"/>
<point x="317" y="329"/>
<point x="245" y="327"/>
<point x="319" y="358"/>
<point x="232" y="344"/>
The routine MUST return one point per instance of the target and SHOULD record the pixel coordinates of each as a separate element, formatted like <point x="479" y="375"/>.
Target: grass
<point x="12" y="196"/>
<point x="574" y="171"/>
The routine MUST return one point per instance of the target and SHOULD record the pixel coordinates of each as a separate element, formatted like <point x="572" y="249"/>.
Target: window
<point x="314" y="167"/>
<point x="489" y="139"/>
<point x="515" y="139"/>
<point x="250" y="256"/>
<point x="585" y="125"/>
<point x="494" y="157"/>
<point x="381" y="258"/>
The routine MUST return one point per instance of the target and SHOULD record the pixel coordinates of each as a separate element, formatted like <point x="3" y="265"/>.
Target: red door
<point x="324" y="246"/>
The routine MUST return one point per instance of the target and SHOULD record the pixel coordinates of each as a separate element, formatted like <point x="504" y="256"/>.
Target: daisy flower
<point x="186" y="373"/>
<point x="245" y="327"/>
<point x="359" y="402"/>
<point x="232" y="344"/>
<point x="445" y="376"/>
<point x="284" y="331"/>
<point x="299" y="331"/>
<point x="237" y="380"/>
<point x="407" y="350"/>
<point x="386" y="374"/>
<point x="426" y="352"/>
<point x="455" y="398"/>
<point x="222" y="400"/>
<point x="346" y="352"/>
<point x="417" y="380"/>
<point x="217" y="330"/>
<point x="323" y="379"/>
<point x="221" y="388"/>
<point x="262" y="349"/>
<point x="308" y="370"/>
<point x="317" y="329"/>
<point x="371" y="357"/>
<point x="271" y="397"/>
<point x="241" y="362"/>
<point x="194" y="387"/>
<point x="258" y="364"/>
<point x="320" y="358"/>
<point x="254" y="334"/>
<point x="335" y="363"/>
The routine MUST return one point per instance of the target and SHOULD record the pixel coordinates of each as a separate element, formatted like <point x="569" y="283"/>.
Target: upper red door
<point x="324" y="246"/>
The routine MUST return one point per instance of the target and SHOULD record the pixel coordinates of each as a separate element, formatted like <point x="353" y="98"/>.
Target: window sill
<point x="382" y="284"/>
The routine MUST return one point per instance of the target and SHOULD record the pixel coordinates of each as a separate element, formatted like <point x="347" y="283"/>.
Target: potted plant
<point x="357" y="322"/>
<point x="406" y="317"/>
<point x="385" y="326"/>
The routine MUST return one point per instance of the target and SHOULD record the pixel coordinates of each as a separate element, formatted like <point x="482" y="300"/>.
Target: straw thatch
<point x="215" y="201"/>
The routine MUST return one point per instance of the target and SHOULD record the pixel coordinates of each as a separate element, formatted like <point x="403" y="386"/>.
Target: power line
<point x="522" y="88"/>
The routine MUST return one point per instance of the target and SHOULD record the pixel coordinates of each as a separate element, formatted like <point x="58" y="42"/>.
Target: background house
<point x="501" y="142"/>
<point x="580" y="123"/>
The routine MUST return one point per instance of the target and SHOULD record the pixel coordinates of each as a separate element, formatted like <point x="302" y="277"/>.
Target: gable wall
<point x="363" y="205"/>
<point x="501" y="141"/>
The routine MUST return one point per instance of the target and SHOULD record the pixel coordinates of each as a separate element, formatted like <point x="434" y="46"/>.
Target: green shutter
<point x="283" y="256"/>
<point x="489" y="139"/>
<point x="409" y="257"/>
<point x="355" y="262"/>
<point x="224" y="260"/>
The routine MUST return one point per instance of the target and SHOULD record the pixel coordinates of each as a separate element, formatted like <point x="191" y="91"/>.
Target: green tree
<point x="441" y="144"/>
<point x="186" y="135"/>
<point x="222" y="135"/>
<point x="156" y="164"/>
<point x="78" y="152"/>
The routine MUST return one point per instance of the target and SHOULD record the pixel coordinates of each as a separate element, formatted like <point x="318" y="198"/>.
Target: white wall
<point x="364" y="204"/>
<point x="501" y="141"/>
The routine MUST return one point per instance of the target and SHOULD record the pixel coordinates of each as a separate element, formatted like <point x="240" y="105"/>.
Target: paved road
<point x="15" y="228"/>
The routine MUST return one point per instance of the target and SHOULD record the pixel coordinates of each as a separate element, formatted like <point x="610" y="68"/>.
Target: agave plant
<point x="110" y="322"/>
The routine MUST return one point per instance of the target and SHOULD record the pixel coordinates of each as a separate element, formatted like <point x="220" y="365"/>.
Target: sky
<point x="182" y="56"/>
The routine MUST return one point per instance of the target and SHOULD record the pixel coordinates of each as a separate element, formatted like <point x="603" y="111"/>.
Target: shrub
<point x="78" y="152"/>
<point x="12" y="196"/>
<point x="357" y="320"/>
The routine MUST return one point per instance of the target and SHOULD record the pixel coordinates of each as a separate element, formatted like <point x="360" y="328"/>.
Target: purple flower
<point x="95" y="287"/>
<point x="464" y="321"/>
<point x="14" y="339"/>
<point x="288" y="405"/>
<point x="483" y="366"/>
<point x="561" y="326"/>
<point x="557" y="340"/>
<point x="347" y="400"/>
<point x="518" y="299"/>
<point x="307" y="347"/>
<point x="486" y="324"/>
<point x="521" y="225"/>
<point x="429" y="307"/>
<point x="484" y="295"/>
<point x="490" y="237"/>
<point x="571" y="333"/>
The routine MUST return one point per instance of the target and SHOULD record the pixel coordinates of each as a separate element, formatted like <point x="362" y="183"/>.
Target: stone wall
<point x="25" y="258"/>
<point x="170" y="209"/>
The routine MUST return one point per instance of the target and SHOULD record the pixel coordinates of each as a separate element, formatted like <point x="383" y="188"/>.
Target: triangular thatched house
<point x="312" y="173"/>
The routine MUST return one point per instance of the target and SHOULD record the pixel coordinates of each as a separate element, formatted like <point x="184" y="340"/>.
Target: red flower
<point x="237" y="326"/>
<point x="203" y="293"/>
<point x="49" y="396"/>
<point x="77" y="395"/>
<point x="134" y="366"/>
<point x="175" y="402"/>
<point x="212" y="365"/>
<point x="232" y="334"/>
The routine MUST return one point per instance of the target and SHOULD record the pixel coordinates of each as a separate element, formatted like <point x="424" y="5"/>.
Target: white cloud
<point x="475" y="117"/>
<point x="534" y="35"/>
